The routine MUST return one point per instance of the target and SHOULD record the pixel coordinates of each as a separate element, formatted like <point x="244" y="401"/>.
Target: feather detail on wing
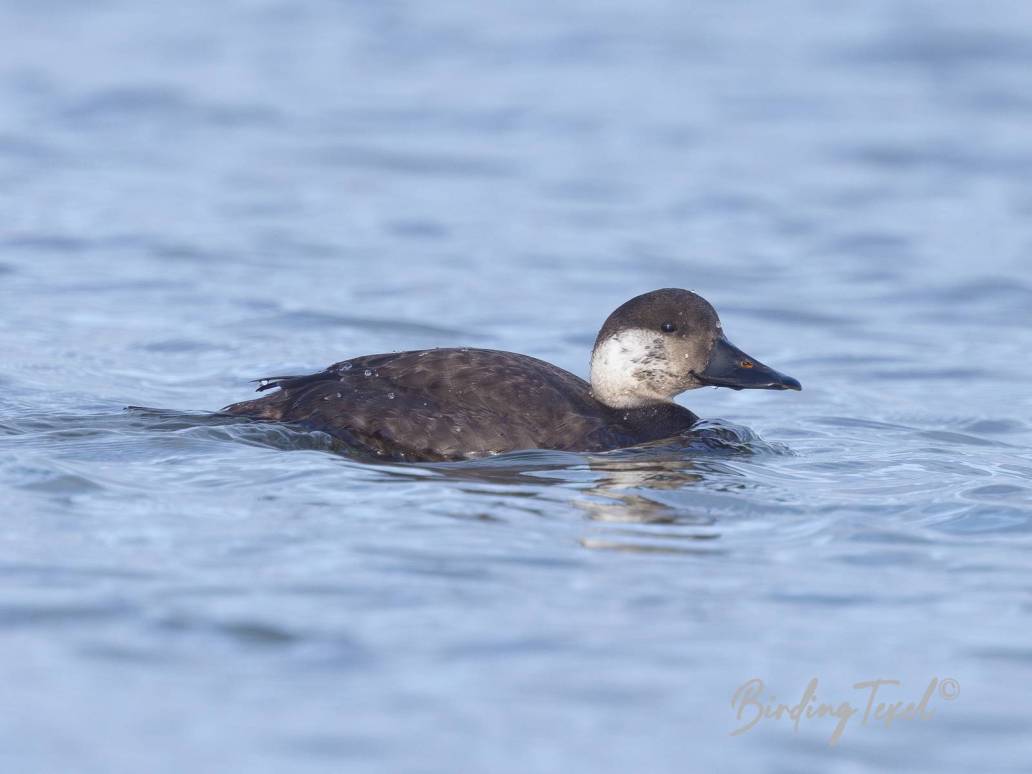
<point x="291" y="382"/>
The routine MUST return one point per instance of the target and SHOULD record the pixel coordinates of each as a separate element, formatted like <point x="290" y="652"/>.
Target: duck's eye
<point x="668" y="327"/>
<point x="746" y="364"/>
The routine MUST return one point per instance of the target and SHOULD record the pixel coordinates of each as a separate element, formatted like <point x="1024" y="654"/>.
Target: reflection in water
<point x="630" y="496"/>
<point x="619" y="491"/>
<point x="624" y="494"/>
<point x="614" y="497"/>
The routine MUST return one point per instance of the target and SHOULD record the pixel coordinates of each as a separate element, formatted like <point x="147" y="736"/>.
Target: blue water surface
<point x="196" y="194"/>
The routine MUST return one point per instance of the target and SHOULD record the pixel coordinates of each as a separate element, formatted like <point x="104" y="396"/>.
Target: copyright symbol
<point x="949" y="689"/>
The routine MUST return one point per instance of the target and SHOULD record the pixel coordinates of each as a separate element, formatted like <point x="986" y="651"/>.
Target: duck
<point x="449" y="404"/>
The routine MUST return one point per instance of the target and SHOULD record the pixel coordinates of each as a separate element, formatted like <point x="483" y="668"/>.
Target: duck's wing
<point x="438" y="404"/>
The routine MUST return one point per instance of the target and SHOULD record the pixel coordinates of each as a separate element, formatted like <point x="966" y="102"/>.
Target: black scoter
<point x="451" y="404"/>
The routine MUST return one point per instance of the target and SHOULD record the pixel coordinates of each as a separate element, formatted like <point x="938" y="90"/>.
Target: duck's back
<point x="451" y="404"/>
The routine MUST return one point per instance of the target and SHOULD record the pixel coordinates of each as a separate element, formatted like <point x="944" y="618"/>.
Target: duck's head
<point x="662" y="343"/>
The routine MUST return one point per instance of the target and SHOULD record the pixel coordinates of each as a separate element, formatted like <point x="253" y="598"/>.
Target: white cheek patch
<point x="617" y="363"/>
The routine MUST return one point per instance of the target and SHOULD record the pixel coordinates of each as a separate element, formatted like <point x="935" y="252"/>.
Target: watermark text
<point x="877" y="702"/>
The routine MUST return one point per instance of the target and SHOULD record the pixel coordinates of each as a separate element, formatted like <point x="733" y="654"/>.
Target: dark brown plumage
<point x="447" y="404"/>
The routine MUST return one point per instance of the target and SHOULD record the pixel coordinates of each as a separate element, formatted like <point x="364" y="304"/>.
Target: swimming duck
<point x="451" y="404"/>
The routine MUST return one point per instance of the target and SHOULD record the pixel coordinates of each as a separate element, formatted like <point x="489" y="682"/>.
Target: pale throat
<point x="629" y="370"/>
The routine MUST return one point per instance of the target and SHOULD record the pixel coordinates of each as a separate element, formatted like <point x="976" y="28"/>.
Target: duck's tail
<point x="273" y="406"/>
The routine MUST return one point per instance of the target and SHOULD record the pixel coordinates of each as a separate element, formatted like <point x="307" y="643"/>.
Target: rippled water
<point x="201" y="194"/>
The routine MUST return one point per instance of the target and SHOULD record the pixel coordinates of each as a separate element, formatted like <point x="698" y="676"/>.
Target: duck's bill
<point x="730" y="367"/>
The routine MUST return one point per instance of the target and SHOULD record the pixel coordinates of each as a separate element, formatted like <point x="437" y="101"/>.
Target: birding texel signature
<point x="751" y="705"/>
